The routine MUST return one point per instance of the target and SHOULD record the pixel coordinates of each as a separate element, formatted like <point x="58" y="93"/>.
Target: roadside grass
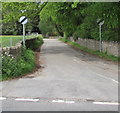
<point x="98" y="53"/>
<point x="12" y="68"/>
<point x="46" y="37"/>
<point x="15" y="67"/>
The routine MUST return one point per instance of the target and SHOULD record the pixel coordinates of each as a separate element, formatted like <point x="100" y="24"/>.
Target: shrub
<point x="12" y="67"/>
<point x="15" y="67"/>
<point x="36" y="43"/>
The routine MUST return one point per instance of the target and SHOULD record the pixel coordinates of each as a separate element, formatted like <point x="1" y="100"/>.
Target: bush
<point x="36" y="43"/>
<point x="15" y="67"/>
<point x="12" y="67"/>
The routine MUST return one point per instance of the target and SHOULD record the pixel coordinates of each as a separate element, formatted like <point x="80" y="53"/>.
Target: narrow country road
<point x="69" y="80"/>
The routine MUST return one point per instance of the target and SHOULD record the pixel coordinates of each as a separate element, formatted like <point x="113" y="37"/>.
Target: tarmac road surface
<point x="69" y="80"/>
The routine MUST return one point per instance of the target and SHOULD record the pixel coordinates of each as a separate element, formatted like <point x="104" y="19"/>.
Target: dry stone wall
<point x="14" y="50"/>
<point x="109" y="47"/>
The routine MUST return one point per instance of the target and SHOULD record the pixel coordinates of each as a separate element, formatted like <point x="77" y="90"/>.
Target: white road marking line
<point x="2" y="98"/>
<point x="70" y="102"/>
<point x="106" y="103"/>
<point x="25" y="99"/>
<point x="98" y="74"/>
<point x="115" y="81"/>
<point x="76" y="60"/>
<point x="108" y="78"/>
<point x="59" y="101"/>
<point x="62" y="101"/>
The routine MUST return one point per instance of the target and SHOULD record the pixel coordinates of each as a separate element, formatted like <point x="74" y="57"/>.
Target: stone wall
<point x="14" y="50"/>
<point x="109" y="47"/>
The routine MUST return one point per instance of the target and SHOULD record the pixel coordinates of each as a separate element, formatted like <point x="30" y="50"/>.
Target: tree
<point x="64" y="15"/>
<point x="108" y="12"/>
<point x="12" y="11"/>
<point x="79" y="19"/>
<point x="47" y="28"/>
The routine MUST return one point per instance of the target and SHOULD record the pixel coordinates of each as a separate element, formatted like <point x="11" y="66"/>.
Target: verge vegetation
<point x="16" y="67"/>
<point x="98" y="53"/>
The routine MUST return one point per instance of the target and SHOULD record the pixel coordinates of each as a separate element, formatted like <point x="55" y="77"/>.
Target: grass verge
<point x="12" y="68"/>
<point x="98" y="53"/>
<point x="25" y="63"/>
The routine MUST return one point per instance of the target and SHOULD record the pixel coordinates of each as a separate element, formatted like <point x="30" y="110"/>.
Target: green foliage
<point x="12" y="67"/>
<point x="11" y="13"/>
<point x="35" y="44"/>
<point x="61" y="15"/>
<point x="63" y="40"/>
<point x="79" y="19"/>
<point x="107" y="11"/>
<point x="47" y="28"/>
<point x="98" y="53"/>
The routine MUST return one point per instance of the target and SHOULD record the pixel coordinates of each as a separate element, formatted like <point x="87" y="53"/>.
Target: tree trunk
<point x="59" y="30"/>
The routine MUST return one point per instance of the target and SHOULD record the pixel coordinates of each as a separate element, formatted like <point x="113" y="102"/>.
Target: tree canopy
<point x="12" y="11"/>
<point x="77" y="19"/>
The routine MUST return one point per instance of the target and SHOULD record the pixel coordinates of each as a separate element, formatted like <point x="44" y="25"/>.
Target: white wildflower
<point x="5" y="52"/>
